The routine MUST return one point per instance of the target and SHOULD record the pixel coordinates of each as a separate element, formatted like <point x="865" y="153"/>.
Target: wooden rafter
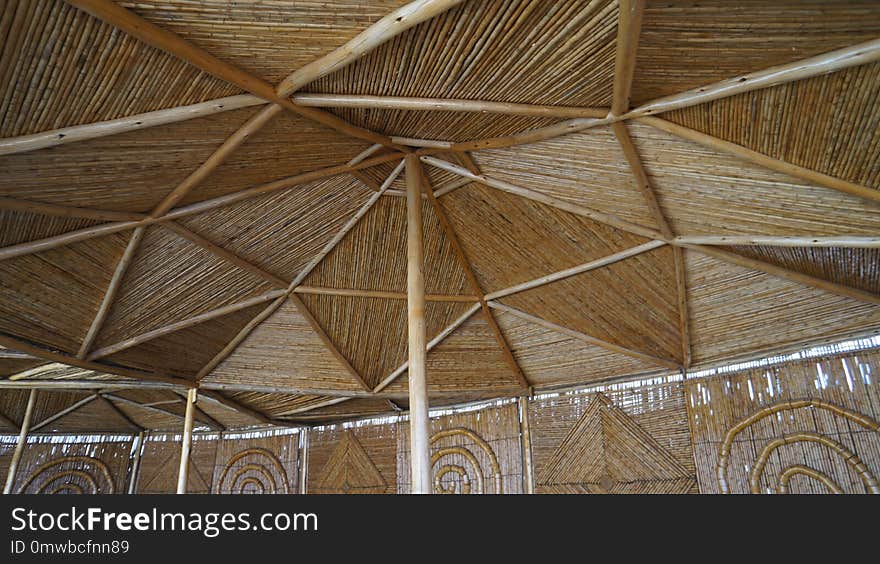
<point x="380" y="294"/>
<point x="842" y="241"/>
<point x="472" y="279"/>
<point x="119" y="412"/>
<point x="69" y="409"/>
<point x="201" y="415"/>
<point x="579" y="269"/>
<point x="629" y="27"/>
<point x="684" y="324"/>
<point x="6" y="420"/>
<point x="156" y="408"/>
<point x="786" y="274"/>
<point x="234" y="405"/>
<point x="664" y="362"/>
<point x="55" y="137"/>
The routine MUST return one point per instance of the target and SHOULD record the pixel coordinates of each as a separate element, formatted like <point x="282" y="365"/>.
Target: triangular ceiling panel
<point x="520" y="51"/>
<point x="172" y="279"/>
<point x="469" y="360"/>
<point x="822" y="123"/>
<point x="51" y="297"/>
<point x="632" y="303"/>
<point x="286" y="146"/>
<point x="276" y="404"/>
<point x="736" y="311"/>
<point x="509" y="240"/>
<point x="185" y="352"/>
<point x="372" y="256"/>
<point x="587" y="169"/>
<point x="21" y="227"/>
<point x="353" y="324"/>
<point x="549" y="358"/>
<point x="266" y="39"/>
<point x="10" y="366"/>
<point x="96" y="416"/>
<point x="705" y="192"/>
<point x="282" y="231"/>
<point x="284" y="352"/>
<point x="153" y="419"/>
<point x="98" y="73"/>
<point x="342" y="410"/>
<point x="130" y="171"/>
<point x="856" y="268"/>
<point x="685" y="44"/>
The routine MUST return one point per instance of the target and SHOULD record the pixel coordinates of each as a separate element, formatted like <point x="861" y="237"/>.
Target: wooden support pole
<point x="186" y="441"/>
<point x="19" y="446"/>
<point x="304" y="462"/>
<point x="136" y="463"/>
<point x="629" y="27"/>
<point x="526" y="445"/>
<point x="420" y="449"/>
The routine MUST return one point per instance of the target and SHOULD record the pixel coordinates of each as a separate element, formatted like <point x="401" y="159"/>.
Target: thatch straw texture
<point x="823" y="409"/>
<point x="630" y="440"/>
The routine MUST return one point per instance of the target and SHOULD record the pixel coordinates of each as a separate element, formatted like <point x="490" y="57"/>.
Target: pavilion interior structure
<point x="440" y="246"/>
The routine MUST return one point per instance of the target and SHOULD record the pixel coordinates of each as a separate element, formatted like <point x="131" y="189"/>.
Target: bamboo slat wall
<point x="258" y="465"/>
<point x="471" y="452"/>
<point x="97" y="72"/>
<point x="49" y="466"/>
<point x="359" y="460"/>
<point x="825" y="409"/>
<point x="629" y="440"/>
<point x="160" y="461"/>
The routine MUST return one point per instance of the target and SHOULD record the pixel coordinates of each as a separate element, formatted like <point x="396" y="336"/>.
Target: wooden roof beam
<point x="629" y="27"/>
<point x="67" y="410"/>
<point x="821" y="241"/>
<point x="64" y="135"/>
<point x="445" y="105"/>
<point x="120" y="413"/>
<point x="234" y="405"/>
<point x="666" y="363"/>
<point x="786" y="274"/>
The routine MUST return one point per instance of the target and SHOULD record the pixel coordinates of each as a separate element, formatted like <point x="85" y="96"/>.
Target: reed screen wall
<point x="807" y="425"/>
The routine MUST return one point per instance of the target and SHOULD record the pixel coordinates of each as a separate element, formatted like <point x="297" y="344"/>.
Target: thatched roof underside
<point x="582" y="228"/>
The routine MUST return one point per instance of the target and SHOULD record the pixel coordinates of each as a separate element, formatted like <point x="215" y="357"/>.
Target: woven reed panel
<point x="172" y="279"/>
<point x="360" y="460"/>
<point x="509" y="240"/>
<point x="543" y="52"/>
<point x="96" y="416"/>
<point x="745" y="414"/>
<point x="155" y="418"/>
<point x="73" y="467"/>
<point x="686" y="44"/>
<point x="630" y="440"/>
<point x="20" y="227"/>
<point x="587" y="169"/>
<point x="282" y="231"/>
<point x="258" y="465"/>
<point x="183" y="353"/>
<point x="284" y="352"/>
<point x="549" y="358"/>
<point x="49" y="402"/>
<point x="267" y="39"/>
<point x="372" y="256"/>
<point x="471" y="452"/>
<point x="271" y="154"/>
<point x="705" y="192"/>
<point x="60" y="67"/>
<point x="160" y="463"/>
<point x="51" y="297"/>
<point x="632" y="303"/>
<point x="736" y="311"/>
<point x="468" y="361"/>
<point x="858" y="268"/>
<point x="826" y="123"/>
<point x="130" y="171"/>
<point x="352" y="323"/>
<point x="7" y="446"/>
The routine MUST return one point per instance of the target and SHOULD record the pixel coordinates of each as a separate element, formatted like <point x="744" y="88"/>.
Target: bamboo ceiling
<point x="208" y="193"/>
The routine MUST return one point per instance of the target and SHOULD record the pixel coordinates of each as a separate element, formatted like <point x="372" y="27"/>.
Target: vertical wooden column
<point x="420" y="456"/>
<point x="186" y="441"/>
<point x="526" y="445"/>
<point x="304" y="461"/>
<point x="22" y="438"/>
<point x="136" y="463"/>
